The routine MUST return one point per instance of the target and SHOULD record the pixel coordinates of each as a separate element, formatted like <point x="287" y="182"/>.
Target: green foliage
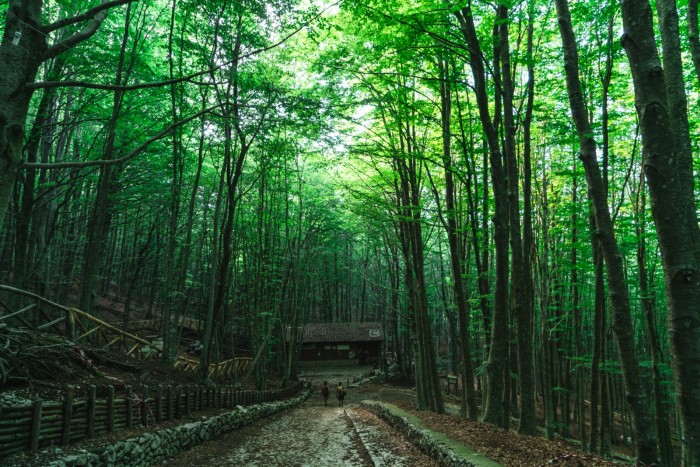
<point x="333" y="103"/>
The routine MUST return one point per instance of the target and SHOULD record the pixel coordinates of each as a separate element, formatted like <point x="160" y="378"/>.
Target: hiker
<point x="340" y="392"/>
<point x="325" y="392"/>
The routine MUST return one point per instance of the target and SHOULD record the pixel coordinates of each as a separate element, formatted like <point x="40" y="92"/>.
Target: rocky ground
<point x="308" y="435"/>
<point x="314" y="435"/>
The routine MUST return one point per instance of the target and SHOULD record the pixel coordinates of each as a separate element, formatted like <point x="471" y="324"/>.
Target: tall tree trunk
<point x="169" y="303"/>
<point x="528" y="242"/>
<point x="662" y="109"/>
<point x="545" y="305"/>
<point x="497" y="362"/>
<point x="455" y="253"/>
<point x="597" y="338"/>
<point x="645" y="442"/>
<point x="575" y="298"/>
<point x="42" y="120"/>
<point x="521" y="299"/>
<point x="647" y="298"/>
<point x="694" y="36"/>
<point x="480" y="247"/>
<point x="203" y="372"/>
<point x="101" y="217"/>
<point x="22" y="51"/>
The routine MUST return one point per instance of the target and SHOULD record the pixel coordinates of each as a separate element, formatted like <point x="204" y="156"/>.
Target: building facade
<point x="341" y="343"/>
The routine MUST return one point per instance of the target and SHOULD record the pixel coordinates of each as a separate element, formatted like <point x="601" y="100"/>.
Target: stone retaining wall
<point x="421" y="439"/>
<point x="153" y="447"/>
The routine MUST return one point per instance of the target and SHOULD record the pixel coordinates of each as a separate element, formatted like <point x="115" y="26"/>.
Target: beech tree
<point x="374" y="160"/>
<point x="661" y="104"/>
<point x="27" y="43"/>
<point x="636" y="392"/>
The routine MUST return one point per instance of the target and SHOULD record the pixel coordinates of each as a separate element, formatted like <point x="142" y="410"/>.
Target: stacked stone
<point x="421" y="439"/>
<point x="153" y="447"/>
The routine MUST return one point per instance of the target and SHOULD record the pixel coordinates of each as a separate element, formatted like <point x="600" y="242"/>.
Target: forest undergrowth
<point x="40" y="366"/>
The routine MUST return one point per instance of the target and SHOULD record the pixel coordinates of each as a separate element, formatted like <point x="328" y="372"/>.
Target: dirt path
<point x="310" y="435"/>
<point x="304" y="436"/>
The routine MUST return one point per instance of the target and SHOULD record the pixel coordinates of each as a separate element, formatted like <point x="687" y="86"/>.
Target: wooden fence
<point x="82" y="326"/>
<point x="28" y="428"/>
<point x="222" y="371"/>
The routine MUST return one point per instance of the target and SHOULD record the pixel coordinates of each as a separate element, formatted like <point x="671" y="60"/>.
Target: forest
<point x="508" y="187"/>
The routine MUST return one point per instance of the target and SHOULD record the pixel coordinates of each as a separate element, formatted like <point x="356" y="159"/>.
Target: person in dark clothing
<point x="340" y="393"/>
<point x="325" y="392"/>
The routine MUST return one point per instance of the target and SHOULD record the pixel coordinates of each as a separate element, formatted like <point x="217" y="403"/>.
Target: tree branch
<point x="92" y="26"/>
<point x="13" y="290"/>
<point x="126" y="158"/>
<point x="69" y="42"/>
<point x="114" y="87"/>
<point x="83" y="17"/>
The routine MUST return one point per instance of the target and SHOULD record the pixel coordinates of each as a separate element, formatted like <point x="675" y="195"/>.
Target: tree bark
<point x="455" y="253"/>
<point x="667" y="158"/>
<point x="694" y="36"/>
<point x="647" y="299"/>
<point x="521" y="300"/>
<point x="101" y="217"/>
<point x="22" y="51"/>
<point x="497" y="363"/>
<point x="636" y="395"/>
<point x="578" y="338"/>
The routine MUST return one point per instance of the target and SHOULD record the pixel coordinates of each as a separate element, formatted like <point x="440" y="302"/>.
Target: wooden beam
<point x="48" y="325"/>
<point x="26" y="308"/>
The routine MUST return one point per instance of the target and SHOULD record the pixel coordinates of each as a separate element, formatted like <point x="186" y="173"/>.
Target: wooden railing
<point x="43" y="423"/>
<point x="83" y="326"/>
<point x="222" y="371"/>
<point x="101" y="331"/>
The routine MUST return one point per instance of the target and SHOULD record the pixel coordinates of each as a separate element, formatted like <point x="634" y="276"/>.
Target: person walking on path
<point x="325" y="392"/>
<point x="340" y="392"/>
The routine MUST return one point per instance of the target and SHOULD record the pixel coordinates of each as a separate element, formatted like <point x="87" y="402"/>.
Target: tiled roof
<point x="342" y="332"/>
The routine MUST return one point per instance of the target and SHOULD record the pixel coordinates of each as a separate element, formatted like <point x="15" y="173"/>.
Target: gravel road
<point x="305" y="436"/>
<point x="311" y="435"/>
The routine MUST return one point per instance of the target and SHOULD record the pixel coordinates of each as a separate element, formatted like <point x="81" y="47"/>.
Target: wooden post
<point x="71" y="324"/>
<point x="129" y="408"/>
<point x="110" y="408"/>
<point x="144" y="406"/>
<point x="159" y="403"/>
<point x="452" y="381"/>
<point x="67" y="414"/>
<point x="178" y="402"/>
<point x="169" y="402"/>
<point x="36" y="426"/>
<point x="92" y="396"/>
